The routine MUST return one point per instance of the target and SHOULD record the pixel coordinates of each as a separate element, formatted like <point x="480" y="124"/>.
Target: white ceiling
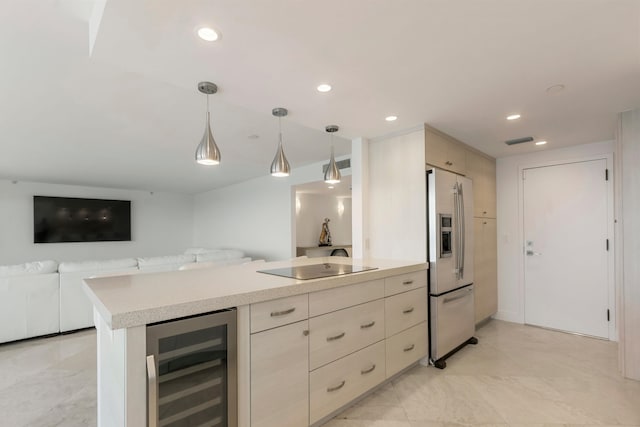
<point x="130" y="115"/>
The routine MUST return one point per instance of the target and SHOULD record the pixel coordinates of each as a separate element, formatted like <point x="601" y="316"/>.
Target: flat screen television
<point x="67" y="219"/>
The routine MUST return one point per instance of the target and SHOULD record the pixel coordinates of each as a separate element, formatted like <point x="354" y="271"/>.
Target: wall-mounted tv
<point x="67" y="219"/>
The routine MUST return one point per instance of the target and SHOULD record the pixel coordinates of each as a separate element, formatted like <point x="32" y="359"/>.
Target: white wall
<point x="161" y="223"/>
<point x="257" y="216"/>
<point x="629" y="144"/>
<point x="397" y="206"/>
<point x="312" y="209"/>
<point x="359" y="197"/>
<point x="510" y="302"/>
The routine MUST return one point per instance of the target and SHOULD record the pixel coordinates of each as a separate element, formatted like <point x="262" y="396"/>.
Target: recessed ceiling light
<point x="391" y="118"/>
<point x="513" y="117"/>
<point x="541" y="142"/>
<point x="324" y="87"/>
<point x="208" y="34"/>
<point x="555" y="89"/>
<point x="331" y="187"/>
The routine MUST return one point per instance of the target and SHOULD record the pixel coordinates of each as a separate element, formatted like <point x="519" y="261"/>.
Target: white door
<point x="565" y="253"/>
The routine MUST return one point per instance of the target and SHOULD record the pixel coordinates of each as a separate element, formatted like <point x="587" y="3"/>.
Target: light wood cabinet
<point x="405" y="310"/>
<point x="303" y="372"/>
<point x="405" y="348"/>
<point x="338" y="298"/>
<point x="482" y="171"/>
<point x="338" y="383"/>
<point x="404" y="282"/>
<point x="280" y="376"/>
<point x="486" y="267"/>
<point x="279" y="312"/>
<point x="444" y="152"/>
<point x="342" y="332"/>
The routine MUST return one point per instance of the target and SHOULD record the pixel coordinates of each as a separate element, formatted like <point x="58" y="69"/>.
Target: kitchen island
<point x="298" y="341"/>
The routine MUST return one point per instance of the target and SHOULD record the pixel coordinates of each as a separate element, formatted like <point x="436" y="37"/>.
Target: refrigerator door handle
<point x="456" y="228"/>
<point x="463" y="236"/>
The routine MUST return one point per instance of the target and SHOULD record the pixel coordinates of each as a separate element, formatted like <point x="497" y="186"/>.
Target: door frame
<point x="612" y="286"/>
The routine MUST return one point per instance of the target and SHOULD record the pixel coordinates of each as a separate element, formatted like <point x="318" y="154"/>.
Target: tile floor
<point x="517" y="375"/>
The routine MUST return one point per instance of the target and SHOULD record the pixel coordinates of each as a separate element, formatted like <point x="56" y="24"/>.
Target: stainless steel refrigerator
<point x="451" y="299"/>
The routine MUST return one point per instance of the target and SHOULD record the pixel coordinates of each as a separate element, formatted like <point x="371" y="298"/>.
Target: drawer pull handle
<point x="368" y="325"/>
<point x="407" y="311"/>
<point x="282" y="313"/>
<point x="366" y="371"/>
<point x="409" y="348"/>
<point x="305" y="332"/>
<point x="335" y="337"/>
<point x="338" y="387"/>
<point x="408" y="282"/>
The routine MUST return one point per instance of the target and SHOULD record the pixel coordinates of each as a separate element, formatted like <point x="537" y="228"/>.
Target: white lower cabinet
<point x="405" y="310"/>
<point x="350" y="340"/>
<point x="406" y="348"/>
<point x="336" y="384"/>
<point x="280" y="376"/>
<point x="337" y="334"/>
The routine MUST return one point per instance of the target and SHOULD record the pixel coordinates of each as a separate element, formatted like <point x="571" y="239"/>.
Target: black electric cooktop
<point x="317" y="271"/>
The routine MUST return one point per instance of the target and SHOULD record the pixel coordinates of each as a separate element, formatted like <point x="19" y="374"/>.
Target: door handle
<point x="152" y="380"/>
<point x="532" y="253"/>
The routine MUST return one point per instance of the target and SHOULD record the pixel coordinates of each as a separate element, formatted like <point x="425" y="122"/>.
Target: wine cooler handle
<point x="153" y="391"/>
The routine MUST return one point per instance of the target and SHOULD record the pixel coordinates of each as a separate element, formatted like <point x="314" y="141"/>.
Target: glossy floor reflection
<point x="516" y="375"/>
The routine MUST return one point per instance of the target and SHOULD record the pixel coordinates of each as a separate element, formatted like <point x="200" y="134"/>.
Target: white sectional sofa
<point x="76" y="311"/>
<point x="29" y="296"/>
<point x="44" y="297"/>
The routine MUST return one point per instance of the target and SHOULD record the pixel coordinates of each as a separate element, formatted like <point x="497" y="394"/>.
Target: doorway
<point x="315" y="203"/>
<point x="567" y="247"/>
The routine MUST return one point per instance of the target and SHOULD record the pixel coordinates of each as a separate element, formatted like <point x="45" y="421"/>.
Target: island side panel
<point x="244" y="366"/>
<point x="122" y="375"/>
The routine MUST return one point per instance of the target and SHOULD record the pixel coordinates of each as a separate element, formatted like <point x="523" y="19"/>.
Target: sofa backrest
<point x="165" y="263"/>
<point x="29" y="268"/>
<point x="96" y="266"/>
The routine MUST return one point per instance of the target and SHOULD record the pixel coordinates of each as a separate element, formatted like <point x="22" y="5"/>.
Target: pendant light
<point x="280" y="166"/>
<point x="332" y="174"/>
<point x="207" y="152"/>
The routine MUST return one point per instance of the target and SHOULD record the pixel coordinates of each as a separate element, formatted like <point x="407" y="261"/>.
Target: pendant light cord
<point x="280" y="130"/>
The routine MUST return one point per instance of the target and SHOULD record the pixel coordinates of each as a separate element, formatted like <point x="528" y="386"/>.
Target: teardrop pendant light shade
<point x="332" y="174"/>
<point x="208" y="152"/>
<point x="280" y="165"/>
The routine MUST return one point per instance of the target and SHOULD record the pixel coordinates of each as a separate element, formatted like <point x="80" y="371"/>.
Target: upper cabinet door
<point x="482" y="171"/>
<point x="444" y="152"/>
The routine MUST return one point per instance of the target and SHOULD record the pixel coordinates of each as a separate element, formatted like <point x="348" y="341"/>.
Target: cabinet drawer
<point x="342" y="332"/>
<point x="406" y="348"/>
<point x="338" y="383"/>
<point x="278" y="312"/>
<point x="405" y="310"/>
<point x="405" y="282"/>
<point x="335" y="299"/>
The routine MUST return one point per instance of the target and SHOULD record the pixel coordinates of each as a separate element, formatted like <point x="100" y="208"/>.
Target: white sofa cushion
<point x="76" y="310"/>
<point x="29" y="268"/>
<point x="29" y="306"/>
<point x="220" y="255"/>
<point x="106" y="265"/>
<point x="165" y="263"/>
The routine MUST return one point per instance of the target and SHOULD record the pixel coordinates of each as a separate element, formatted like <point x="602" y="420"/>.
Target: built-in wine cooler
<point x="191" y="367"/>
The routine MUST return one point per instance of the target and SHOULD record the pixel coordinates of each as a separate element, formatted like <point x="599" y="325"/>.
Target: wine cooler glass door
<point x="194" y="383"/>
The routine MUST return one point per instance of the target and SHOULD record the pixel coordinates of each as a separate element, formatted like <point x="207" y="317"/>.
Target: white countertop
<point x="144" y="298"/>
